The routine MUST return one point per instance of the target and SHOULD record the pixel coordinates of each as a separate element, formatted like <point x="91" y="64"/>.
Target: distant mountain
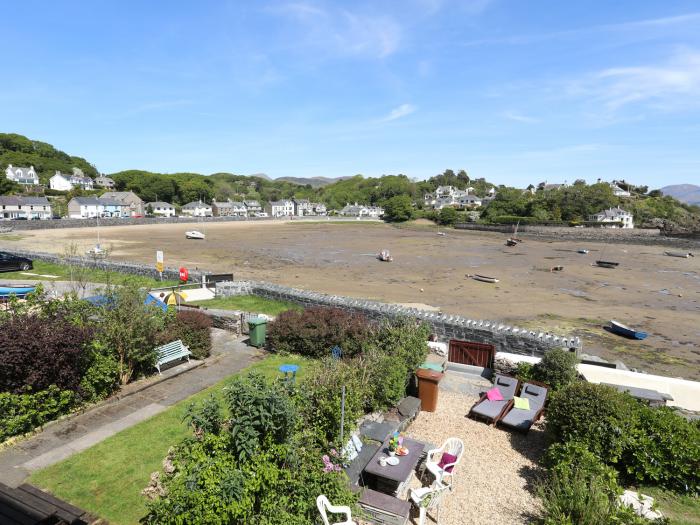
<point x="260" y="175"/>
<point x="315" y="182"/>
<point x="688" y="193"/>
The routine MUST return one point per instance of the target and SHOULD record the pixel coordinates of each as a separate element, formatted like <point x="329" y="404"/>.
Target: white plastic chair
<point x="428" y="498"/>
<point x="325" y="506"/>
<point x="452" y="446"/>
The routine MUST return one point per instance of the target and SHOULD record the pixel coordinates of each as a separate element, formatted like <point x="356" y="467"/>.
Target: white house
<point x="283" y="208"/>
<point x="469" y="201"/>
<point x="91" y="207"/>
<point x="197" y="209"/>
<point x="25" y="176"/>
<point x="446" y="196"/>
<point x="66" y="182"/>
<point x="252" y="207"/>
<point x="618" y="191"/>
<point x="360" y="210"/>
<point x="302" y="207"/>
<point x="161" y="209"/>
<point x="319" y="208"/>
<point x="60" y="182"/>
<point x="26" y="207"/>
<point x="615" y="217"/>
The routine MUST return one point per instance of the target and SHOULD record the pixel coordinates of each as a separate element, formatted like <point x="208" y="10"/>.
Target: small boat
<point x="621" y="329"/>
<point x="442" y="234"/>
<point x="194" y="234"/>
<point x="483" y="278"/>
<point x="19" y="291"/>
<point x="97" y="252"/>
<point x="385" y="256"/>
<point x="607" y="264"/>
<point x="556" y="268"/>
<point x="685" y="255"/>
<point x="583" y="251"/>
<point x="511" y="242"/>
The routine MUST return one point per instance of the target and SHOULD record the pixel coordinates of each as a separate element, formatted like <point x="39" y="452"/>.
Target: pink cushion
<point x="494" y="394"/>
<point x="446" y="459"/>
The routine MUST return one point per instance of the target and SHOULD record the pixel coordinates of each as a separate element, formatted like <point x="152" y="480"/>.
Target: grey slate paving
<point x="64" y="438"/>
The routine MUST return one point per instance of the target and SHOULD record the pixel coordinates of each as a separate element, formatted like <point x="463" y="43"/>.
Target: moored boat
<point x="556" y="268"/>
<point x="385" y="256"/>
<point x="19" y="291"/>
<point x="194" y="234"/>
<point x="684" y="255"/>
<point x="624" y="330"/>
<point x="511" y="242"/>
<point x="607" y="264"/>
<point x="483" y="278"/>
<point x="583" y="251"/>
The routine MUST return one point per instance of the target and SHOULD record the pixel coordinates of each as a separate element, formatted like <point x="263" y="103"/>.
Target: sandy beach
<point x="649" y="290"/>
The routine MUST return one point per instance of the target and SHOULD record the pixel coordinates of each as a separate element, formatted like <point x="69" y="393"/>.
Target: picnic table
<point x="393" y="478"/>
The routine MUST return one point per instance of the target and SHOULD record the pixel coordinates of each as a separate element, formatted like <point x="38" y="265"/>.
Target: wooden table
<point x="389" y="479"/>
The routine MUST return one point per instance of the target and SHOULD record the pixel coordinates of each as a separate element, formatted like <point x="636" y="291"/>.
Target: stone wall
<point x="504" y="338"/>
<point x="107" y="265"/>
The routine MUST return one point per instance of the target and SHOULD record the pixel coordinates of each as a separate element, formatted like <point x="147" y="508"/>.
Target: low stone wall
<point x="504" y="338"/>
<point x="107" y="265"/>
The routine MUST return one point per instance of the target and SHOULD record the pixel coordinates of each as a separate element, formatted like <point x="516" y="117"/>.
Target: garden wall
<point x="504" y="338"/>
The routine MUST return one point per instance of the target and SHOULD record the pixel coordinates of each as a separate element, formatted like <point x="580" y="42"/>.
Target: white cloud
<point x="518" y="117"/>
<point x="669" y="86"/>
<point x="399" y="112"/>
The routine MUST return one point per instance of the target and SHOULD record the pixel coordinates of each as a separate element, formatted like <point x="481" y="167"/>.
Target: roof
<point x="284" y="202"/>
<point x="119" y="195"/>
<point x="95" y="201"/>
<point x="612" y="213"/>
<point x="224" y="204"/>
<point x="11" y="200"/>
<point x="160" y="204"/>
<point x="104" y="177"/>
<point x="196" y="204"/>
<point x="251" y="203"/>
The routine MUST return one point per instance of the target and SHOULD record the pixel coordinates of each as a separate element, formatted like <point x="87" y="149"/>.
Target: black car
<point x="11" y="263"/>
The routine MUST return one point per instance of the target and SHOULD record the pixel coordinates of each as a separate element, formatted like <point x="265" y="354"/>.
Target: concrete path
<point x="63" y="439"/>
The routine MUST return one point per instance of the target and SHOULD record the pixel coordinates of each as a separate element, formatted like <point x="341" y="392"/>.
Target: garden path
<point x="61" y="440"/>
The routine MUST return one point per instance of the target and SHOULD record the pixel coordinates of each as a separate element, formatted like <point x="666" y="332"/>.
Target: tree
<point x="149" y="210"/>
<point x="398" y="209"/>
<point x="7" y="186"/>
<point x="448" y="216"/>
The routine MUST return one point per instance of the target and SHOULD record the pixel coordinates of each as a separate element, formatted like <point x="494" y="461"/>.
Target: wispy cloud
<point x="343" y="32"/>
<point x="672" y="85"/>
<point x="518" y="117"/>
<point x="399" y="112"/>
<point x="647" y="24"/>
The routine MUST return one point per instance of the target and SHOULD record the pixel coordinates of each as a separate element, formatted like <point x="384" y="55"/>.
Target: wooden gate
<point x="468" y="353"/>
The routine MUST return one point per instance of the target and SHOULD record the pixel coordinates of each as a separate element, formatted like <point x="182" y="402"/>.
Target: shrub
<point x="557" y="368"/>
<point x="102" y="376"/>
<point x="598" y="416"/>
<point x="665" y="452"/>
<point x="36" y="352"/>
<point x="315" y="331"/>
<point x="194" y="329"/>
<point x="21" y="413"/>
<point x="525" y="371"/>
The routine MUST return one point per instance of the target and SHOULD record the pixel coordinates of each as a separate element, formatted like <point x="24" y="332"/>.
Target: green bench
<point x="171" y="352"/>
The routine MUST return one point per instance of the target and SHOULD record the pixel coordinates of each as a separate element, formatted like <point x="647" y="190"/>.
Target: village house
<point x="197" y="209"/>
<point x="618" y="191"/>
<point x="161" y="209"/>
<point x="64" y="182"/>
<point x="446" y="196"/>
<point x="91" y="207"/>
<point x="104" y="182"/>
<point x="302" y="207"/>
<point x="229" y="209"/>
<point x="252" y="207"/>
<point x="319" y="208"/>
<point x="26" y="207"/>
<point x="24" y="176"/>
<point x="360" y="210"/>
<point x="128" y="198"/>
<point x="469" y="201"/>
<point x="614" y="218"/>
<point x="283" y="208"/>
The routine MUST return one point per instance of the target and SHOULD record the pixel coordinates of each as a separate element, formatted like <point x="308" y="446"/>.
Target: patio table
<point x="389" y="479"/>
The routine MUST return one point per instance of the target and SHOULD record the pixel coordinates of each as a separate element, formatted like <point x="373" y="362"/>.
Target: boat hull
<point x="626" y="331"/>
<point x="684" y="255"/>
<point x="194" y="235"/>
<point x="484" y="278"/>
<point x="19" y="291"/>
<point x="607" y="264"/>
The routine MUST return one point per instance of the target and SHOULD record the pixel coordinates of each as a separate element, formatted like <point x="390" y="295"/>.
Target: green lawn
<point x="681" y="510"/>
<point x="93" y="276"/>
<point x="249" y="303"/>
<point x="107" y="479"/>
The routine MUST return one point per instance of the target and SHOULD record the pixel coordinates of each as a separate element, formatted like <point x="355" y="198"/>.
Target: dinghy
<point x="583" y="251"/>
<point x="194" y="234"/>
<point x="607" y="264"/>
<point x="385" y="256"/>
<point x="684" y="255"/>
<point x="19" y="291"/>
<point x="483" y="278"/>
<point x="621" y="329"/>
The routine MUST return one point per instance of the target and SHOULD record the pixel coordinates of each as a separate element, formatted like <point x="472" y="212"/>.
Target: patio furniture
<point x="393" y="479"/>
<point x="439" y="468"/>
<point x="171" y="352"/>
<point x="429" y="498"/>
<point x="522" y="419"/>
<point x="325" y="507"/>
<point x="492" y="411"/>
<point x="382" y="509"/>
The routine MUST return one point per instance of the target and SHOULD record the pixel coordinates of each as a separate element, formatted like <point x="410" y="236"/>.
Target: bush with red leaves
<point x="315" y="331"/>
<point x="194" y="329"/>
<point x="37" y="352"/>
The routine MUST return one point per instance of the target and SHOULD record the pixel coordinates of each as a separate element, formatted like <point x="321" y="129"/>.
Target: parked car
<point x="12" y="263"/>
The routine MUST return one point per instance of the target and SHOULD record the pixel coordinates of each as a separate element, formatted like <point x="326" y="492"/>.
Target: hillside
<point x="314" y="182"/>
<point x="688" y="193"/>
<point x="19" y="150"/>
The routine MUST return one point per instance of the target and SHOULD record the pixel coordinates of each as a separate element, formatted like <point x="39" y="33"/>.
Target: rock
<point x="409" y="407"/>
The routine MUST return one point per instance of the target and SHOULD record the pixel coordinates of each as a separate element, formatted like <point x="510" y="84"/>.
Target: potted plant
<point x="394" y="443"/>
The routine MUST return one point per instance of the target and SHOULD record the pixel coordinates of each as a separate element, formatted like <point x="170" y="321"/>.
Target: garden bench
<point x="383" y="509"/>
<point x="171" y="352"/>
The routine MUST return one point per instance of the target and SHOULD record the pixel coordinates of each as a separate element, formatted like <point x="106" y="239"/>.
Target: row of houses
<point x="59" y="181"/>
<point x="361" y="211"/>
<point x="449" y="196"/>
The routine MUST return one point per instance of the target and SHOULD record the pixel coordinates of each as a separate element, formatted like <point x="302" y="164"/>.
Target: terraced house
<point x="24" y="207"/>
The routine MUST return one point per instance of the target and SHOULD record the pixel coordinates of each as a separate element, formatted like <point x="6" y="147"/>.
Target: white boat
<point x="483" y="278"/>
<point x="97" y="252"/>
<point x="194" y="234"/>
<point x="385" y="256"/>
<point x="684" y="255"/>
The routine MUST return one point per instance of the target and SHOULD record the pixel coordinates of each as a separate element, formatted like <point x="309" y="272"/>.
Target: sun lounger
<point x="521" y="419"/>
<point x="492" y="411"/>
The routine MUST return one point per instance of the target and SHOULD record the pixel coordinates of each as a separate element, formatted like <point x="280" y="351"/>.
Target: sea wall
<point x="504" y="338"/>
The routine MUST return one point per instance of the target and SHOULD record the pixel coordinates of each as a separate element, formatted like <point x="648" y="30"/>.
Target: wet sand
<point x="649" y="291"/>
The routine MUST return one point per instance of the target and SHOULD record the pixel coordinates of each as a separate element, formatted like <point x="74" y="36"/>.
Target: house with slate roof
<point x="197" y="209"/>
<point x="20" y="175"/>
<point x="12" y="207"/>
<point x="130" y="199"/>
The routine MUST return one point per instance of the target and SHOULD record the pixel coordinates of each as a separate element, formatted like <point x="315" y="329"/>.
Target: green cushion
<point x="522" y="403"/>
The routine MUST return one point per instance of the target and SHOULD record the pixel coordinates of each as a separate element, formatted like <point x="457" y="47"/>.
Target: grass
<point x="681" y="510"/>
<point x="107" y="479"/>
<point x="10" y="237"/>
<point x="88" y="274"/>
<point x="249" y="303"/>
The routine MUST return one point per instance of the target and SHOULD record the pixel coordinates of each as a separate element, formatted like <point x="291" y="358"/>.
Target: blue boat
<point x="19" y="291"/>
<point x="626" y="331"/>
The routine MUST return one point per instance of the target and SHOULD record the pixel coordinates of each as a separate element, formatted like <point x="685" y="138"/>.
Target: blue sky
<point x="513" y="91"/>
